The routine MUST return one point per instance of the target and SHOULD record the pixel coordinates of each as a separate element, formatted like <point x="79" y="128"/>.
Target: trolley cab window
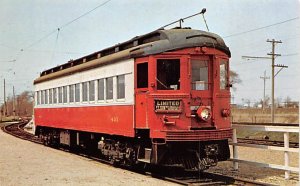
<point x="168" y="74"/>
<point x="142" y="75"/>
<point x="224" y="75"/>
<point x="199" y="74"/>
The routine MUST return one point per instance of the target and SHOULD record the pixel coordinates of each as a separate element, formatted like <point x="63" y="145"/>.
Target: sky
<point x="39" y="34"/>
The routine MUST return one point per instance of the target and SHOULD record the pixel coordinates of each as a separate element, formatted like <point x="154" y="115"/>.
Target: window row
<point x="101" y="90"/>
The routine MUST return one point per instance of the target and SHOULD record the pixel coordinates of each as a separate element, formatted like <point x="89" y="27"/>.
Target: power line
<point x="286" y="55"/>
<point x="53" y="52"/>
<point x="7" y="61"/>
<point x="260" y="28"/>
<point x="88" y="12"/>
<point x="64" y="25"/>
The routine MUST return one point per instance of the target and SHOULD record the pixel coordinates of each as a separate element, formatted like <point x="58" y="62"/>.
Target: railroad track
<point x="206" y="178"/>
<point x="183" y="178"/>
<point x="16" y="129"/>
<point x="267" y="124"/>
<point x="267" y="142"/>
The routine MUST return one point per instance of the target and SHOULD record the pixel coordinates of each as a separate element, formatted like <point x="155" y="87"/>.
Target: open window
<point x="168" y="74"/>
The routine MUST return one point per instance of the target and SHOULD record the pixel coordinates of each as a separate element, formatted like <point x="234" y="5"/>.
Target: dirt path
<point x="26" y="163"/>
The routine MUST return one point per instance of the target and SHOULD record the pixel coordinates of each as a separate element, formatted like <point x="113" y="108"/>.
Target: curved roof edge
<point x="155" y="42"/>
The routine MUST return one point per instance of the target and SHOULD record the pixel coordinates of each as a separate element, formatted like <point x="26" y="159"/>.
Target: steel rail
<point x="266" y="124"/>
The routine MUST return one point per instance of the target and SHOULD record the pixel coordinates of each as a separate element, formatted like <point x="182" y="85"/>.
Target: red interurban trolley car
<point x="162" y="98"/>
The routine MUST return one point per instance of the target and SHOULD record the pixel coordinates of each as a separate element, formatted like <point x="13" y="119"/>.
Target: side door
<point x="141" y="92"/>
<point x="222" y="92"/>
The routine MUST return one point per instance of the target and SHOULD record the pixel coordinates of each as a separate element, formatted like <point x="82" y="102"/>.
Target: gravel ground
<point x="26" y="163"/>
<point x="266" y="175"/>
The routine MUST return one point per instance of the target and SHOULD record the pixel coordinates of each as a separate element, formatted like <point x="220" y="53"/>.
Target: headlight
<point x="204" y="113"/>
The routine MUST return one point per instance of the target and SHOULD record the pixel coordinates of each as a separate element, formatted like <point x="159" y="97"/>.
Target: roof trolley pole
<point x="180" y="21"/>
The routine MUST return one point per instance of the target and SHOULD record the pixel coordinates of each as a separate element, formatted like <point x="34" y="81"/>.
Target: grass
<point x="254" y="115"/>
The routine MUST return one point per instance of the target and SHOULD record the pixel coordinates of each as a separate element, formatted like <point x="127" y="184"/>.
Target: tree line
<point x="20" y="105"/>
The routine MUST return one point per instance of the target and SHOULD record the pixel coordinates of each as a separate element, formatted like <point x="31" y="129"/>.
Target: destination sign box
<point x="167" y="106"/>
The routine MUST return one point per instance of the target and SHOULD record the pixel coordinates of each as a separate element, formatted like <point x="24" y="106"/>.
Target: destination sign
<point x="167" y="105"/>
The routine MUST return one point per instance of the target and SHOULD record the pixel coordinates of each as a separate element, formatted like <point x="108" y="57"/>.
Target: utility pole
<point x="273" y="56"/>
<point x="14" y="106"/>
<point x="5" y="107"/>
<point x="264" y="98"/>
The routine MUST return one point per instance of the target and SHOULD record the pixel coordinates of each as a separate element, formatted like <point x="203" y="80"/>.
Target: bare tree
<point x="23" y="104"/>
<point x="234" y="79"/>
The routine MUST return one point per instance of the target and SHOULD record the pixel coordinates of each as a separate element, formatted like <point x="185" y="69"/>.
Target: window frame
<point x="77" y="93"/>
<point x="38" y="100"/>
<point x="71" y="94"/>
<point x="110" y="99"/>
<point x="227" y="74"/>
<point x="137" y="73"/>
<point x="46" y="97"/>
<point x="210" y="64"/>
<point x="85" y="91"/>
<point x="91" y="92"/>
<point x="123" y="87"/>
<point x="60" y="95"/>
<point x="103" y="90"/>
<point x="175" y="57"/>
<point x="65" y="94"/>
<point x="55" y="100"/>
<point x="50" y="96"/>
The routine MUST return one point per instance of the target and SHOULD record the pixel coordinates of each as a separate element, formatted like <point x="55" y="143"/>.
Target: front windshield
<point x="168" y="74"/>
<point x="199" y="74"/>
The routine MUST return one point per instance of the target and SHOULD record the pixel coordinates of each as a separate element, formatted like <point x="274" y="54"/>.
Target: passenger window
<point x="142" y="75"/>
<point x="223" y="75"/>
<point x="109" y="88"/>
<point x="121" y="87"/>
<point x="54" y="95"/>
<point x="43" y="97"/>
<point x="46" y="96"/>
<point x="85" y="91"/>
<point x="91" y="90"/>
<point x="60" y="94"/>
<point x="38" y="97"/>
<point x="101" y="89"/>
<point x="77" y="92"/>
<point x="71" y="93"/>
<point x="199" y="74"/>
<point x="65" y="97"/>
<point x="168" y="74"/>
<point x="50" y="96"/>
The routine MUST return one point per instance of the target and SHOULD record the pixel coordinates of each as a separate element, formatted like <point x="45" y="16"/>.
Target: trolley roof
<point x="152" y="43"/>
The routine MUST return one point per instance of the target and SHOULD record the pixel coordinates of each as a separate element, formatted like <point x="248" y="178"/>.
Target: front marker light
<point x="204" y="113"/>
